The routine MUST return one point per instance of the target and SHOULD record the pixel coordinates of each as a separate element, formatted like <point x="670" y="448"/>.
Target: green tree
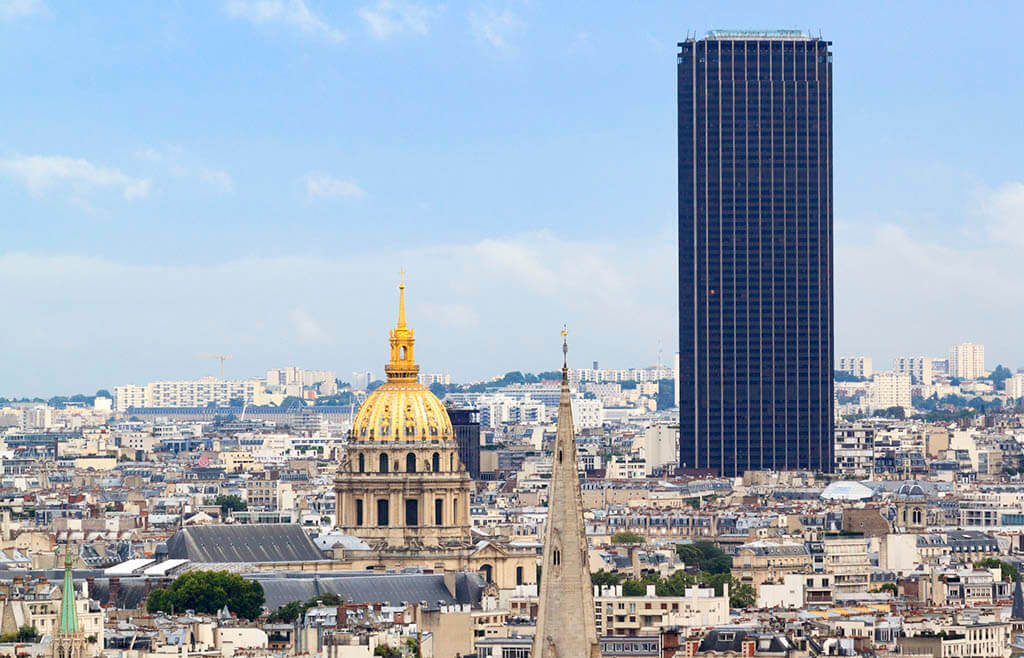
<point x="230" y="503"/>
<point x="287" y="613"/>
<point x="741" y="595"/>
<point x="999" y="376"/>
<point x="387" y="651"/>
<point x="841" y="376"/>
<point x="634" y="588"/>
<point x="28" y="633"/>
<point x="292" y="401"/>
<point x="438" y="389"/>
<point x="604" y="578"/>
<point x="208" y="592"/>
<point x="890" y="587"/>
<point x="104" y="393"/>
<point x="1008" y="571"/>
<point x="627" y="538"/>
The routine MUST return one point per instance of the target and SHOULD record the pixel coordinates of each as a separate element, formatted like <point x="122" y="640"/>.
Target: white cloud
<point x="219" y="180"/>
<point x="495" y="28"/>
<point x="306" y="326"/>
<point x="39" y="172"/>
<point x="10" y="9"/>
<point x="289" y="12"/>
<point x="390" y="17"/>
<point x="328" y="187"/>
<point x="176" y="162"/>
<point x="479" y="309"/>
<point x="1003" y="214"/>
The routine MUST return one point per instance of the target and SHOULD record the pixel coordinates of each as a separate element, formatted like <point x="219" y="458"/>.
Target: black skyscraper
<point x="755" y="252"/>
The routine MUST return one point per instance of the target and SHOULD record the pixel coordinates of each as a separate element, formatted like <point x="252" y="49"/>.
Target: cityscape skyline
<point x="123" y="217"/>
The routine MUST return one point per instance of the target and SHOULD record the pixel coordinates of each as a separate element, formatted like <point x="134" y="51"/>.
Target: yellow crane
<point x="220" y="357"/>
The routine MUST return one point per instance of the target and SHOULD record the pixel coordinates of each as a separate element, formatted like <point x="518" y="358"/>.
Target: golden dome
<point x="402" y="409"/>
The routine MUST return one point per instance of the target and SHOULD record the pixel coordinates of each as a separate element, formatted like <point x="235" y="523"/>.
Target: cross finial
<point x="565" y="348"/>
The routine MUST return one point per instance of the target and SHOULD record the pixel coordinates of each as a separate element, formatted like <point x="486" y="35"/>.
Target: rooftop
<point x="757" y="34"/>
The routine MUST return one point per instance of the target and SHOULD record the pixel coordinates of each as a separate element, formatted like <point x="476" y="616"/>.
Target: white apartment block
<point x="429" y="379"/>
<point x="967" y="361"/>
<point x="890" y="389"/>
<point x="292" y="376"/>
<point x="858" y="366"/>
<point x="660" y="446"/>
<point x="187" y="393"/>
<point x="918" y="367"/>
<point x="1015" y="386"/>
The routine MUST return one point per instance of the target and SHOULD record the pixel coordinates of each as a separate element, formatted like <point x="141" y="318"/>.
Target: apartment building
<point x="846" y="560"/>
<point x="918" y="367"/>
<point x="859" y="366"/>
<point x="890" y="389"/>
<point x="967" y="361"/>
<point x="199" y="393"/>
<point x="630" y="616"/>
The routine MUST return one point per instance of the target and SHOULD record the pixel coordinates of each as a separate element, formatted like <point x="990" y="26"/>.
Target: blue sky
<point x="248" y="177"/>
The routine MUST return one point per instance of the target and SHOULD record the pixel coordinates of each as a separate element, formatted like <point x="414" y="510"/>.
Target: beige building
<point x="631" y="616"/>
<point x="859" y="366"/>
<point x="990" y="640"/>
<point x="763" y="562"/>
<point x="846" y="560"/>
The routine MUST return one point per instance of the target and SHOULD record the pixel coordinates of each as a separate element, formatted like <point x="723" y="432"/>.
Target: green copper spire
<point x="68" y="611"/>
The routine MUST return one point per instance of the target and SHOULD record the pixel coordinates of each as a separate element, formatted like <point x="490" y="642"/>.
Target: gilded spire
<point x="401" y="367"/>
<point x="68" y="610"/>
<point x="401" y="300"/>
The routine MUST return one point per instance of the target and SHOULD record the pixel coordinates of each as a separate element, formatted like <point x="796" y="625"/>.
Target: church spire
<point x="565" y="617"/>
<point x="68" y="610"/>
<point x="1017" y="611"/>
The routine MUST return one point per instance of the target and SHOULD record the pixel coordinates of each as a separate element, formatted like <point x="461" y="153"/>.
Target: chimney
<point x="449" y="581"/>
<point x="115" y="589"/>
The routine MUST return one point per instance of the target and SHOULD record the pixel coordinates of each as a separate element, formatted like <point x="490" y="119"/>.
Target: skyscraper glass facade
<point x="755" y="252"/>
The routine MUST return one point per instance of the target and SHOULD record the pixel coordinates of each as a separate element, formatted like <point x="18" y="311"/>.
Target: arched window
<point x="410" y="463"/>
<point x="403" y="353"/>
<point x="383" y="462"/>
<point x="557" y="557"/>
<point x="362" y="463"/>
<point x="451" y="463"/>
<point x="559" y="456"/>
<point x="917" y="515"/>
<point x="487" y="569"/>
<point x="435" y="463"/>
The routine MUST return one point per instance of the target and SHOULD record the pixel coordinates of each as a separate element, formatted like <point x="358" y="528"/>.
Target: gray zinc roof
<point x="265" y="542"/>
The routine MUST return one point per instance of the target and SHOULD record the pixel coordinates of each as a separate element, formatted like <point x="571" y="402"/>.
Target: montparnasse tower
<point x="565" y="615"/>
<point x="401" y="484"/>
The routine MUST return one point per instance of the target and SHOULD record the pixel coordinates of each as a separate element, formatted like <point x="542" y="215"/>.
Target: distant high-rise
<point x="967" y="361"/>
<point x="755" y="252"/>
<point x="466" y="423"/>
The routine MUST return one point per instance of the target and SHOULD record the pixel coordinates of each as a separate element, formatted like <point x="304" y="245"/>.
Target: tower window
<point x="438" y="511"/>
<point x="382" y="512"/>
<point x="435" y="463"/>
<point x="362" y="463"/>
<point x="412" y="512"/>
<point x="556" y="559"/>
<point x="519" y="575"/>
<point x="359" y="512"/>
<point x="410" y="463"/>
<point x="404" y="348"/>
<point x="383" y="463"/>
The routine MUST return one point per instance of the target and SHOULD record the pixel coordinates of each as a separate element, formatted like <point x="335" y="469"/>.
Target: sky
<point x="249" y="177"/>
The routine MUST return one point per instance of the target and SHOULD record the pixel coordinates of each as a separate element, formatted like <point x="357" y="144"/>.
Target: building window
<point x="435" y="463"/>
<point x="382" y="512"/>
<point x="412" y="512"/>
<point x="519" y="575"/>
<point x="383" y="461"/>
<point x="556" y="559"/>
<point x="359" y="512"/>
<point x="410" y="463"/>
<point x="438" y="511"/>
<point x="362" y="463"/>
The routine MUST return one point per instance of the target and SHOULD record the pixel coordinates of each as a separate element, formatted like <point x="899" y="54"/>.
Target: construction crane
<point x="221" y="357"/>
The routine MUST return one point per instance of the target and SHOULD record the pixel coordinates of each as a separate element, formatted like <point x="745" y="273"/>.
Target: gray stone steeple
<point x="565" y="618"/>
